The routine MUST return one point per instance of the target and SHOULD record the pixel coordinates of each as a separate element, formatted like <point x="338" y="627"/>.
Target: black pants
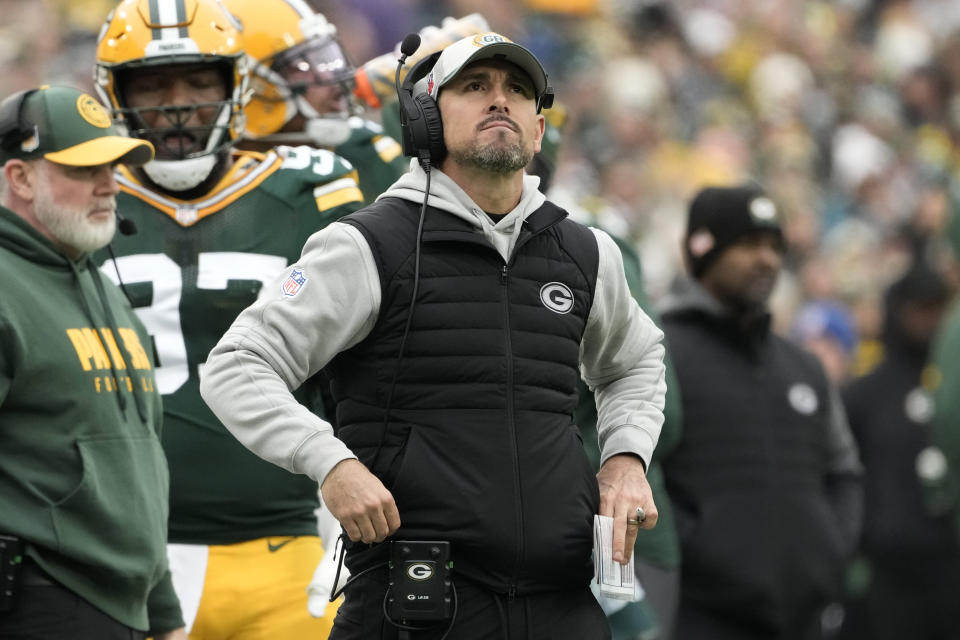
<point x="915" y="599"/>
<point x="480" y="615"/>
<point x="47" y="611"/>
<point x="696" y="623"/>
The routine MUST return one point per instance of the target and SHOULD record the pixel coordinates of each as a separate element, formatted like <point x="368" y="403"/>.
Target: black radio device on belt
<point x="420" y="583"/>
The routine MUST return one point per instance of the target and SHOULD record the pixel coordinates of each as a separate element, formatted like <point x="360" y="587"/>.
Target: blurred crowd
<point x="846" y="111"/>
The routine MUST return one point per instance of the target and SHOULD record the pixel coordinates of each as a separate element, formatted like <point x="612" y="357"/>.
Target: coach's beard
<point x="71" y="224"/>
<point x="495" y="157"/>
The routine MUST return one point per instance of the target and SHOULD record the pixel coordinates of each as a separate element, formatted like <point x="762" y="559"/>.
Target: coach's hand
<point x="623" y="488"/>
<point x="360" y="502"/>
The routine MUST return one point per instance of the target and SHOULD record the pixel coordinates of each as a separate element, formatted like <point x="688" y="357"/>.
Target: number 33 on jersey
<point x="194" y="265"/>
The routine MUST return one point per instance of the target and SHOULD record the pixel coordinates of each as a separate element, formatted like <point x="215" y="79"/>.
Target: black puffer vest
<point x="480" y="448"/>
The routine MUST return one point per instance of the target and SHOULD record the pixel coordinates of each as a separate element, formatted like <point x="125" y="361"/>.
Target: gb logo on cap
<point x="483" y="39"/>
<point x="91" y="111"/>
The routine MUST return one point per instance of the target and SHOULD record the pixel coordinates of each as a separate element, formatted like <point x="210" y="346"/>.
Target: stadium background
<point x="847" y="111"/>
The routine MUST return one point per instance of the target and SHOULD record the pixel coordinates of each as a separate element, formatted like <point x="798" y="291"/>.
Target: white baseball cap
<point x="485" y="46"/>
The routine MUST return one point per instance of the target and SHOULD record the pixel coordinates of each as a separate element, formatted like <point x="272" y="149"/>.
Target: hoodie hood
<point x="921" y="285"/>
<point x="446" y="195"/>
<point x="688" y="295"/>
<point x="19" y="238"/>
<point x="689" y="298"/>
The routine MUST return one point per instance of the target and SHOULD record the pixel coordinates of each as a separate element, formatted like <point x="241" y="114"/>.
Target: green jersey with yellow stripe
<point x="377" y="157"/>
<point x="190" y="268"/>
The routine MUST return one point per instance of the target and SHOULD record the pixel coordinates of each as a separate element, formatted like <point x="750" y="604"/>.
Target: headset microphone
<point x="125" y="226"/>
<point x="409" y="46"/>
<point x="408" y="111"/>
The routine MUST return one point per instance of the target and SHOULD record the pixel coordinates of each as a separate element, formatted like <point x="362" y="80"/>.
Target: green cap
<point x="66" y="126"/>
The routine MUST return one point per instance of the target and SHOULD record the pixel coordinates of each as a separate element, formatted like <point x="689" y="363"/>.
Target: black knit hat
<point x="719" y="216"/>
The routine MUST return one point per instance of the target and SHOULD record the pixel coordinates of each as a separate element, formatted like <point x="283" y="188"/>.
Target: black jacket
<point x="890" y="410"/>
<point x="763" y="537"/>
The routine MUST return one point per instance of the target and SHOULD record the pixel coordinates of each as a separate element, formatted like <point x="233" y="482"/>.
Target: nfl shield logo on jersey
<point x="294" y="283"/>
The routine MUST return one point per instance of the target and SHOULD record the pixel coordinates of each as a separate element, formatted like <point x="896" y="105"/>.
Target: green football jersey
<point x="190" y="268"/>
<point x="377" y="157"/>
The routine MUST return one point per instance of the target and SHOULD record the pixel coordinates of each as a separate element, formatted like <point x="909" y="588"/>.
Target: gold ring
<point x="633" y="521"/>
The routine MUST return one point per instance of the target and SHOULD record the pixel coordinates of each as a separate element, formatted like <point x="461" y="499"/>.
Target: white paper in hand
<point x="614" y="579"/>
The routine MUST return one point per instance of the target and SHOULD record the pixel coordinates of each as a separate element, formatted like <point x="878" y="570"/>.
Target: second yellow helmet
<point x="293" y="48"/>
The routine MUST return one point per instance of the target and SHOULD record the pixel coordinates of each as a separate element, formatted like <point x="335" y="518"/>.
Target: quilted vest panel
<point x="480" y="447"/>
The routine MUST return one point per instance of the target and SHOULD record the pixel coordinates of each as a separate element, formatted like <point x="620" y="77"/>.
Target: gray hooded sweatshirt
<point x="330" y="299"/>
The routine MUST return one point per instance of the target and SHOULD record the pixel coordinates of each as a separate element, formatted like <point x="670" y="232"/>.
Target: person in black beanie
<point x="765" y="481"/>
<point x="720" y="216"/>
<point x="912" y="556"/>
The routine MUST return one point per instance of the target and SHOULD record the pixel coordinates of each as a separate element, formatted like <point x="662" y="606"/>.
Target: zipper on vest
<point x="512" y="424"/>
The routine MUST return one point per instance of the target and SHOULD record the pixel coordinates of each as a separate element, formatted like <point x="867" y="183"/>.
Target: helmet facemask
<point x="147" y="45"/>
<point x="183" y="131"/>
<point x="287" y="80"/>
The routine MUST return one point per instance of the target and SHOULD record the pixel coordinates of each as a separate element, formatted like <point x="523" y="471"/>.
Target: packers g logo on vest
<point x="557" y="297"/>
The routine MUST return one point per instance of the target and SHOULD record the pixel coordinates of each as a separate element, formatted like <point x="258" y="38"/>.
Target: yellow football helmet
<point x="293" y="48"/>
<point x="139" y="34"/>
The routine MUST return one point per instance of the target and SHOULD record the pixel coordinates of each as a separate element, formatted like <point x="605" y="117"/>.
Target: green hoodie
<point x="83" y="479"/>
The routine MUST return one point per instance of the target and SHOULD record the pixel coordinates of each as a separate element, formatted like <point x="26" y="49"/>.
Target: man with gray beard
<point x="83" y="479"/>
<point x="454" y="317"/>
<point x="72" y="200"/>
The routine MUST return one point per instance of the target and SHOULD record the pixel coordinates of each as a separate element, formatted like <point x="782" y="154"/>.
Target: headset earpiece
<point x="431" y="127"/>
<point x="420" y="123"/>
<point x="13" y="130"/>
<point x="546" y="100"/>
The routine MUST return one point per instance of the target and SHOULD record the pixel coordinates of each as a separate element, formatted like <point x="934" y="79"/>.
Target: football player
<point x="213" y="224"/>
<point x="302" y="91"/>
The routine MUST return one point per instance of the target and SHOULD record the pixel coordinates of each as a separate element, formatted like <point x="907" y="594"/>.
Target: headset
<point x="427" y="154"/>
<point x="422" y="135"/>
<point x="13" y="129"/>
<point x="420" y="124"/>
